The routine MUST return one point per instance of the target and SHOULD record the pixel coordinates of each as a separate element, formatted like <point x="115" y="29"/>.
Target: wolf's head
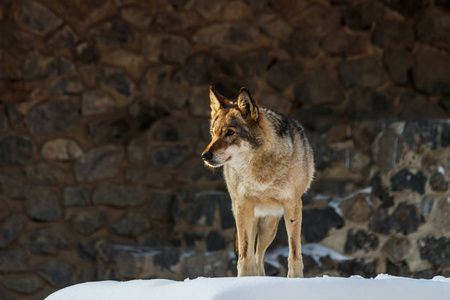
<point x="235" y="129"/>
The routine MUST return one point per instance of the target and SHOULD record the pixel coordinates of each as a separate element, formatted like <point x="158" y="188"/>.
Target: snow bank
<point x="261" y="288"/>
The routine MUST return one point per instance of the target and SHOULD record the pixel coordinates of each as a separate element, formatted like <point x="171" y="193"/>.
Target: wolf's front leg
<point x="293" y="220"/>
<point x="245" y="216"/>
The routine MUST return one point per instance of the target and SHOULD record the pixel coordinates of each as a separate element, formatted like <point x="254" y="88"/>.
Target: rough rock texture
<point x="104" y="113"/>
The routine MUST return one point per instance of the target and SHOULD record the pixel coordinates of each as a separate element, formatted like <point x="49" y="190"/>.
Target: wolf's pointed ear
<point x="216" y="101"/>
<point x="247" y="105"/>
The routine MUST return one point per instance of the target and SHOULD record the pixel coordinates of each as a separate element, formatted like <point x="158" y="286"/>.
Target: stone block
<point x="320" y="18"/>
<point x="37" y="66"/>
<point x="174" y="49"/>
<point x="398" y="269"/>
<point x="235" y="33"/>
<point x="393" y="34"/>
<point x="160" y="207"/>
<point x="421" y="133"/>
<point x="133" y="63"/>
<point x="255" y="63"/>
<point x="47" y="240"/>
<point x="196" y="71"/>
<point x="362" y="72"/>
<point x="16" y="149"/>
<point x="380" y="221"/>
<point x="148" y="177"/>
<point x="435" y="250"/>
<point x="98" y="163"/>
<point x="86" y="53"/>
<point x="360" y="240"/>
<point x="86" y="221"/>
<point x="215" y="241"/>
<point x="318" y="222"/>
<point x="61" y="149"/>
<point x="42" y="205"/>
<point x="24" y="284"/>
<point x="57" y="272"/>
<point x="64" y="38"/>
<point x="96" y="102"/>
<point x="173" y="94"/>
<point x="201" y="209"/>
<point x="434" y="30"/>
<point x="175" y="129"/>
<point x="113" y="32"/>
<point x="273" y="25"/>
<point x="132" y="225"/>
<point x="361" y="16"/>
<point x="115" y="80"/>
<point x="90" y="249"/>
<point x="396" y="249"/>
<point x="398" y="63"/>
<point x="10" y="230"/>
<point x="5" y="211"/>
<point x="10" y="68"/>
<point x="406" y="219"/>
<point x="214" y="265"/>
<point x="440" y="216"/>
<point x="74" y="196"/>
<point x="12" y="261"/>
<point x="170" y="156"/>
<point x="445" y="104"/>
<point x="417" y="107"/>
<point x="438" y="182"/>
<point x="167" y="258"/>
<point x="324" y="155"/>
<point x="380" y="191"/>
<point x="195" y="171"/>
<point x="110" y="129"/>
<point x="67" y="85"/>
<point x="37" y="18"/>
<point x="145" y="113"/>
<point x="54" y="115"/>
<point x="404" y="179"/>
<point x="409" y="9"/>
<point x="137" y="16"/>
<point x="14" y="185"/>
<point x="359" y="267"/>
<point x="118" y="195"/>
<point x="316" y="87"/>
<point x="357" y="208"/>
<point x="431" y="72"/>
<point x="43" y="173"/>
<point x="282" y="74"/>
<point x="177" y="20"/>
<point x="340" y="43"/>
<point x="365" y="104"/>
<point x="301" y="42"/>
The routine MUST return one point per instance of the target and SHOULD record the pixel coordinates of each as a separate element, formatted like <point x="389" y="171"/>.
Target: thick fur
<point x="268" y="165"/>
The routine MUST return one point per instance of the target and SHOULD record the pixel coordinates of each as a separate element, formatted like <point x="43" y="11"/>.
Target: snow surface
<point x="261" y="288"/>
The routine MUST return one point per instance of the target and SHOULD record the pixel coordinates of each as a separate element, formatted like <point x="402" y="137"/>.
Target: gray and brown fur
<point x="268" y="165"/>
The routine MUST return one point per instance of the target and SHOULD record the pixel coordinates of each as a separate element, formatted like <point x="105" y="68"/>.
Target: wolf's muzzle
<point x="207" y="156"/>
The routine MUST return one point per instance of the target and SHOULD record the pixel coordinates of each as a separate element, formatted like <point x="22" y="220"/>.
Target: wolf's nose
<point x="207" y="155"/>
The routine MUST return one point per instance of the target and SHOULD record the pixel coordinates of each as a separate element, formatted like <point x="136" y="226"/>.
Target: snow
<point x="262" y="288"/>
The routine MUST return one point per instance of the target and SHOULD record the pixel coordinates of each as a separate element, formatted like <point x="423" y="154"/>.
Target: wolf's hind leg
<point x="266" y="231"/>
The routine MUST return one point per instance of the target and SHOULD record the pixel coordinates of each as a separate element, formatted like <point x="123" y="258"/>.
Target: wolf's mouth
<point x="214" y="164"/>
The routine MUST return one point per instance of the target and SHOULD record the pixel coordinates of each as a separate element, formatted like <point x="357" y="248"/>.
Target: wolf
<point x="268" y="164"/>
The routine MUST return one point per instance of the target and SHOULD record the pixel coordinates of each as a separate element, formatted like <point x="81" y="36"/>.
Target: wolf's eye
<point x="230" y="132"/>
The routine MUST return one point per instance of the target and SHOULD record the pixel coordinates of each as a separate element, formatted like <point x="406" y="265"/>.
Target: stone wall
<point x="104" y="113"/>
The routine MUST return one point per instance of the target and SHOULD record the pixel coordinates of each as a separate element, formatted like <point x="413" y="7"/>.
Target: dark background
<point x="104" y="113"/>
